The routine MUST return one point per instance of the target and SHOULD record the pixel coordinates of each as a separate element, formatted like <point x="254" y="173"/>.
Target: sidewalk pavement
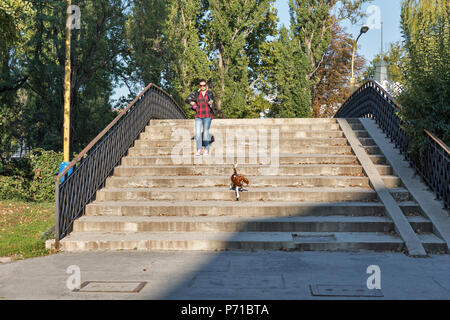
<point x="231" y="275"/>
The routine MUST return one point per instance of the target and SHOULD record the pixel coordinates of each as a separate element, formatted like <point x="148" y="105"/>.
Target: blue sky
<point x="369" y="44"/>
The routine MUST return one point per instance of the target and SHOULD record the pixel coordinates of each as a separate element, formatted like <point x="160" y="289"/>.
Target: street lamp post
<point x="364" y="29"/>
<point x="67" y="88"/>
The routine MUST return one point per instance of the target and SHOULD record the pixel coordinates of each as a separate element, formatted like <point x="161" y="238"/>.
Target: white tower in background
<point x="382" y="67"/>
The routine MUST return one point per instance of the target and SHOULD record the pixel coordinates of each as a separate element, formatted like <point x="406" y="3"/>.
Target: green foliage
<point x="32" y="69"/>
<point x="230" y="26"/>
<point x="14" y="188"/>
<point x="45" y="165"/>
<point x="396" y="59"/>
<point x="285" y="68"/>
<point x="312" y="22"/>
<point x="426" y="94"/>
<point x="31" y="178"/>
<point x="186" y="62"/>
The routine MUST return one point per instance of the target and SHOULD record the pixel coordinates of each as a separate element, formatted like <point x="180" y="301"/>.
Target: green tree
<point x="285" y="68"/>
<point x="145" y="38"/>
<point x="96" y="51"/>
<point x="312" y="22"/>
<point x="230" y="25"/>
<point x="186" y="63"/>
<point x="425" y="97"/>
<point x="15" y="15"/>
<point x="396" y="59"/>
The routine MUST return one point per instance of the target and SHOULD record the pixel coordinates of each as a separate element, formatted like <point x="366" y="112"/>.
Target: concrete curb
<point x="433" y="209"/>
<point x="402" y="226"/>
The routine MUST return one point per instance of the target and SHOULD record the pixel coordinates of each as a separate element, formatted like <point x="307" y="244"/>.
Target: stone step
<point x="233" y="224"/>
<point x="224" y="181"/>
<point x="331" y="241"/>
<point x="385" y="170"/>
<point x="361" y="133"/>
<point x="225" y="194"/>
<point x="175" y="151"/>
<point x="432" y="243"/>
<point x="373" y="150"/>
<point x="256" y="181"/>
<point x="248" y="128"/>
<point x="356" y="126"/>
<point x="283" y="159"/>
<point x="253" y="194"/>
<point x="256" y="122"/>
<point x="378" y="159"/>
<point x="420" y="224"/>
<point x="246" y="169"/>
<point x="243" y="208"/>
<point x="282" y="135"/>
<point x="301" y="142"/>
<point x="401" y="194"/>
<point x="367" y="141"/>
<point x="392" y="182"/>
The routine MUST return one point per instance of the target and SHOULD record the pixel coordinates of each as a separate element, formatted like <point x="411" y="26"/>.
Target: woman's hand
<point x="192" y="103"/>
<point x="210" y="102"/>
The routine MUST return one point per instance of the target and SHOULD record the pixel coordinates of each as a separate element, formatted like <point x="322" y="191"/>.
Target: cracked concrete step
<point x="247" y="128"/>
<point x="378" y="159"/>
<point x="373" y="150"/>
<point x="234" y="224"/>
<point x="420" y="224"/>
<point x="356" y="126"/>
<point x="367" y="141"/>
<point x="176" y="151"/>
<point x="147" y="135"/>
<point x="243" y="208"/>
<point x="143" y="143"/>
<point x="432" y="243"/>
<point x="253" y="194"/>
<point x="385" y="170"/>
<point x="283" y="159"/>
<point x="223" y="181"/>
<point x="401" y="194"/>
<point x="361" y="133"/>
<point x="378" y="241"/>
<point x="256" y="122"/>
<point x="246" y="169"/>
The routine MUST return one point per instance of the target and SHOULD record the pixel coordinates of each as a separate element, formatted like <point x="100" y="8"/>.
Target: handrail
<point x="371" y="100"/>
<point x="438" y="141"/>
<point x="90" y="169"/>
<point x="107" y="128"/>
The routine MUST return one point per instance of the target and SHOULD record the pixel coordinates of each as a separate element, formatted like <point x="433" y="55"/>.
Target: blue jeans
<point x="206" y="123"/>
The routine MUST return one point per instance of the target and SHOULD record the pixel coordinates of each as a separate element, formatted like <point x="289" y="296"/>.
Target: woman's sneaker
<point x="199" y="153"/>
<point x="206" y="153"/>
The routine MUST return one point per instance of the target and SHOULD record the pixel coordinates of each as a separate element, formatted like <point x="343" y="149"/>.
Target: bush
<point x="31" y="178"/>
<point x="14" y="188"/>
<point x="426" y="94"/>
<point x="45" y="165"/>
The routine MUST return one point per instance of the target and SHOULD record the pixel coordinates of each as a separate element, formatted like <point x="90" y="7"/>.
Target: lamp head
<point x="364" y="29"/>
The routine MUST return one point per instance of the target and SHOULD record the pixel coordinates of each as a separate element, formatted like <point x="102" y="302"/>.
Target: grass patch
<point x="22" y="225"/>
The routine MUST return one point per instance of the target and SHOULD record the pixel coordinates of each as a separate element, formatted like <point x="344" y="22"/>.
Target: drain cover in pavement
<point x="112" y="286"/>
<point x="343" y="291"/>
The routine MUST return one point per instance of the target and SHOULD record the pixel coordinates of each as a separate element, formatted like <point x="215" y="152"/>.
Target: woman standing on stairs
<point x="202" y="102"/>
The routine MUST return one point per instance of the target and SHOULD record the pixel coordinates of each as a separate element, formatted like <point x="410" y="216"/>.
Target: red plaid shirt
<point x="203" y="109"/>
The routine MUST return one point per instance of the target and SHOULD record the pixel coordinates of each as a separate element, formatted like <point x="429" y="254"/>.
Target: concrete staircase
<point x="307" y="191"/>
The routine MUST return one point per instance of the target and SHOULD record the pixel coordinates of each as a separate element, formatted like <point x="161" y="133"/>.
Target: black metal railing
<point x="372" y="101"/>
<point x="98" y="160"/>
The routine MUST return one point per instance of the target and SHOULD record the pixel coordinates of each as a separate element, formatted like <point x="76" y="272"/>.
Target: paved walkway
<point x="226" y="275"/>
